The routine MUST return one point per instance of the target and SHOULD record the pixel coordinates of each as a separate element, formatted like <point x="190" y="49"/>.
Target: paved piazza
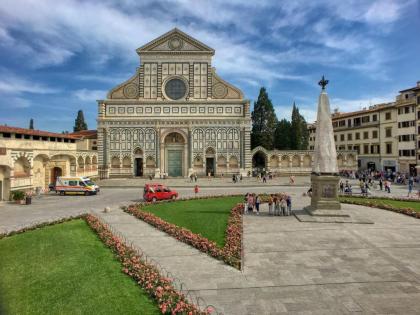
<point x="290" y="267"/>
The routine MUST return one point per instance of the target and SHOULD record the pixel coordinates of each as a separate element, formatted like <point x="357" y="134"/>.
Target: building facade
<point x="385" y="136"/>
<point x="31" y="159"/>
<point x="296" y="162"/>
<point x="408" y="120"/>
<point x="174" y="116"/>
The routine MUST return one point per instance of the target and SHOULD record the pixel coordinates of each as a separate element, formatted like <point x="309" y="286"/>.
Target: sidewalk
<point x="300" y="181"/>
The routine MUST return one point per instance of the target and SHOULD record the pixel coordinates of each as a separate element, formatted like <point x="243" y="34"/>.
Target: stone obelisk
<point x="324" y="177"/>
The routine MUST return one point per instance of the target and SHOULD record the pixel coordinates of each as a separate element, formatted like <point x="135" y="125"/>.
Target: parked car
<point x="80" y="185"/>
<point x="154" y="192"/>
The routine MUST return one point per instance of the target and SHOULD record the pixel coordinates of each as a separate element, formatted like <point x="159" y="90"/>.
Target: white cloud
<point x="90" y="95"/>
<point x="349" y="105"/>
<point x="12" y="102"/>
<point x="12" y="84"/>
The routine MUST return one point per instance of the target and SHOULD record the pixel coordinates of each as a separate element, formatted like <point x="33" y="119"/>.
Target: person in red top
<point x="196" y="190"/>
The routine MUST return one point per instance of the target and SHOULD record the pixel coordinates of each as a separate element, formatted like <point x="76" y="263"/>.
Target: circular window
<point x="175" y="89"/>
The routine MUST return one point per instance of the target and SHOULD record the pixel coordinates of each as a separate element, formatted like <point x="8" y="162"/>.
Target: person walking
<point x="246" y="203"/>
<point x="410" y="186"/>
<point x="341" y="187"/>
<point x="196" y="190"/>
<point x="257" y="204"/>
<point x="250" y="203"/>
<point x="381" y="183"/>
<point x="270" y="205"/>
<point x="289" y="205"/>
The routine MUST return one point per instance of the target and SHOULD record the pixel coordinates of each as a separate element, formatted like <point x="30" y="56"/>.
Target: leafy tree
<point x="282" y="135"/>
<point x="79" y="123"/>
<point x="264" y="122"/>
<point x="299" y="136"/>
<point x="31" y="124"/>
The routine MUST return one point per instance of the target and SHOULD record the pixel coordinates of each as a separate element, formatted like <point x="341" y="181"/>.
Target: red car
<point x="154" y="192"/>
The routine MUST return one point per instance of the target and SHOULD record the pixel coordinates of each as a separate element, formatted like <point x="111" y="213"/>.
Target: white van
<point x="80" y="185"/>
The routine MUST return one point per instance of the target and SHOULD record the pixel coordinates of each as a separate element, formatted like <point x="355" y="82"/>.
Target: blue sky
<point x="57" y="57"/>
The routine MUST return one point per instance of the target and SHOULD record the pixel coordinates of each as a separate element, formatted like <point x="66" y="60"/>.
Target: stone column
<point x="190" y="153"/>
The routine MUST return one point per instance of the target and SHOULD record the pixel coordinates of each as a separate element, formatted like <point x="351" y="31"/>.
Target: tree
<point x="31" y="124"/>
<point x="79" y="123"/>
<point x="264" y="122"/>
<point x="299" y="136"/>
<point x="282" y="135"/>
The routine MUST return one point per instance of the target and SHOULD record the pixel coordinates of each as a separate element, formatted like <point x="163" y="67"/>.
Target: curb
<point x="218" y="186"/>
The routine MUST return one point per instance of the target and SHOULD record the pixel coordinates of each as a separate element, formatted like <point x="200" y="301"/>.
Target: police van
<point x="75" y="185"/>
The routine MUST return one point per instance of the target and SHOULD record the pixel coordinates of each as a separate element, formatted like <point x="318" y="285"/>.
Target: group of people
<point x="278" y="204"/>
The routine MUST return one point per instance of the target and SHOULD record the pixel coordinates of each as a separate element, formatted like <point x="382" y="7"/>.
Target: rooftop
<point x="87" y="134"/>
<point x="33" y="132"/>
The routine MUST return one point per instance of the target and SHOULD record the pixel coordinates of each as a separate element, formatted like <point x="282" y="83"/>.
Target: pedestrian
<point x="270" y="205"/>
<point x="264" y="179"/>
<point x="410" y="186"/>
<point x="246" y="203"/>
<point x="195" y="177"/>
<point x="380" y="183"/>
<point x="196" y="190"/>
<point x="250" y="203"/>
<point x="234" y="178"/>
<point x="341" y="187"/>
<point x="283" y="205"/>
<point x="276" y="201"/>
<point x="289" y="205"/>
<point x="257" y="204"/>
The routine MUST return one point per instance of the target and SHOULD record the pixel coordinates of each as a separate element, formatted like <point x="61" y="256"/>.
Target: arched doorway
<point x="55" y="172"/>
<point x="259" y="162"/>
<point x="138" y="162"/>
<point x="174" y="151"/>
<point x="210" y="161"/>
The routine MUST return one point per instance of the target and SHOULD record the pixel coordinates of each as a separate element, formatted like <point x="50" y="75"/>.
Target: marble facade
<point x="175" y="116"/>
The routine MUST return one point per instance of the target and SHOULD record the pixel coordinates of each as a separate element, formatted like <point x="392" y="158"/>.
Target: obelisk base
<point x="324" y="200"/>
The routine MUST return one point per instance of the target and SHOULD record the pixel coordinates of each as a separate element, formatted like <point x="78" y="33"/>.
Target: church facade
<point x="174" y="116"/>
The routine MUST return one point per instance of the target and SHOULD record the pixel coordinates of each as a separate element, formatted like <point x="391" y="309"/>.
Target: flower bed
<point x="378" y="204"/>
<point x="230" y="253"/>
<point x="170" y="301"/>
<point x="160" y="288"/>
<point x="412" y="198"/>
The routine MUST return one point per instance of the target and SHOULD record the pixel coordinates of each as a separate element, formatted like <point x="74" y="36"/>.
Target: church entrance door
<point x="174" y="163"/>
<point x="210" y="166"/>
<point x="139" y="166"/>
<point x="55" y="172"/>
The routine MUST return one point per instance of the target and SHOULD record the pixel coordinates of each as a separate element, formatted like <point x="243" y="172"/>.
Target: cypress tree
<point x="299" y="136"/>
<point x="264" y="122"/>
<point x="31" y="124"/>
<point x="79" y="123"/>
<point x="282" y="135"/>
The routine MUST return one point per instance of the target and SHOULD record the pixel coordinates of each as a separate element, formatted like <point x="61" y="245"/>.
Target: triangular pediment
<point x="175" y="41"/>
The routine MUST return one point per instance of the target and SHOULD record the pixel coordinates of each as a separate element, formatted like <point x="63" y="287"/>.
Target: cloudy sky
<point x="60" y="56"/>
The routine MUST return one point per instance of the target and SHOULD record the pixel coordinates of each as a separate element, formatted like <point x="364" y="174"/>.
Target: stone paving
<point x="295" y="267"/>
<point x="290" y="266"/>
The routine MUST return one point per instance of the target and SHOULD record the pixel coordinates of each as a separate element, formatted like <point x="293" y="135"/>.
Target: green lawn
<point x="395" y="203"/>
<point x="207" y="217"/>
<point x="65" y="269"/>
